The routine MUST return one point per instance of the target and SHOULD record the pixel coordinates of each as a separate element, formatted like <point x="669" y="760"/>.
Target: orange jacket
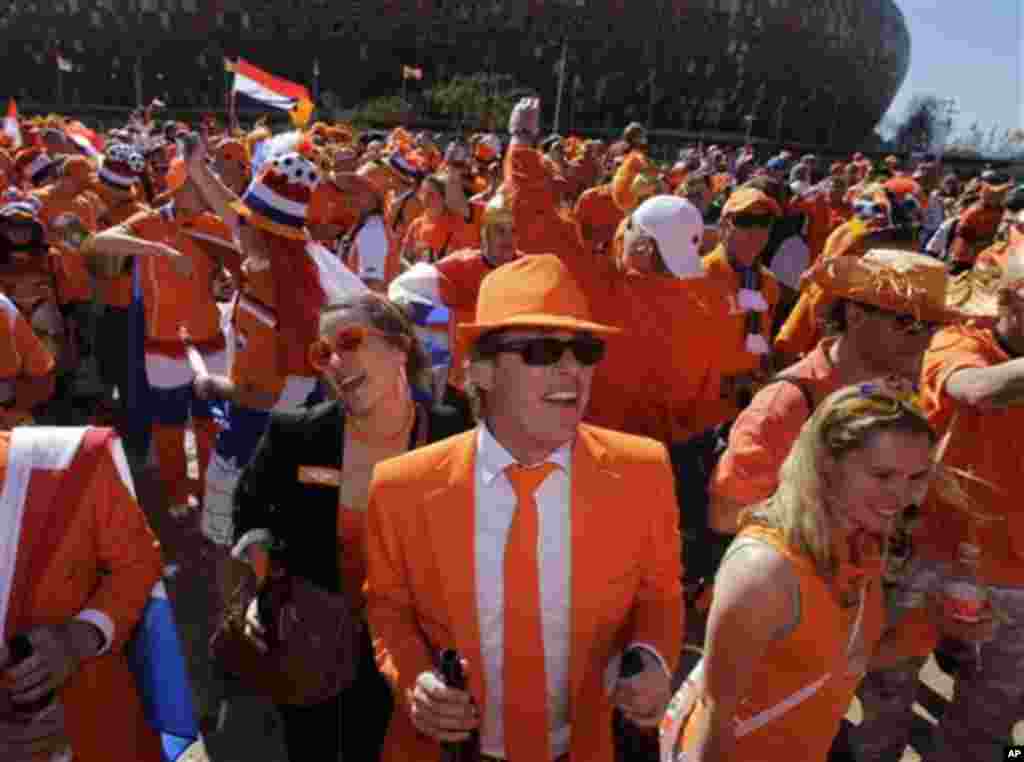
<point x="624" y="577"/>
<point x="108" y="560"/>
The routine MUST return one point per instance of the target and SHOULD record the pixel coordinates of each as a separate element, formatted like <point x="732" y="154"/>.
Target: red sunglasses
<point x="348" y="338"/>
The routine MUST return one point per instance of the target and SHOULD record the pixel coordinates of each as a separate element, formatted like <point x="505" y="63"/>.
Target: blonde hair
<point x="844" y="422"/>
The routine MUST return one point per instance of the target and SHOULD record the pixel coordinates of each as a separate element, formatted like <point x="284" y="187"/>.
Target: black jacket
<point x="303" y="518"/>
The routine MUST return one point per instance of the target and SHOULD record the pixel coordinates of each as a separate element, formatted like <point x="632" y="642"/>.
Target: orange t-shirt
<point x="763" y="434"/>
<point x="731" y="327"/>
<point x="170" y="300"/>
<point x="597" y="217"/>
<point x="431" y="238"/>
<point x="979" y="444"/>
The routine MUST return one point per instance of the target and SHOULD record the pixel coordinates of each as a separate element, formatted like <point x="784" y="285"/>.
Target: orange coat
<point x="421" y="588"/>
<point x="108" y="560"/>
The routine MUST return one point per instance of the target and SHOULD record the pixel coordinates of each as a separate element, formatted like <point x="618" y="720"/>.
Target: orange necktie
<point x="526" y="690"/>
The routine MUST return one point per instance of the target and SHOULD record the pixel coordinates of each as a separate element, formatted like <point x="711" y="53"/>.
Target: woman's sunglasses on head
<point x="349" y="338"/>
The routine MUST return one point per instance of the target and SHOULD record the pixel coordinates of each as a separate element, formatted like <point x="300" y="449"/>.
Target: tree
<point x="484" y="100"/>
<point x="924" y="125"/>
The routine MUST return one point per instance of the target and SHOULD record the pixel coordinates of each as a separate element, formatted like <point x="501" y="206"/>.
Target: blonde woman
<point x="797" y="616"/>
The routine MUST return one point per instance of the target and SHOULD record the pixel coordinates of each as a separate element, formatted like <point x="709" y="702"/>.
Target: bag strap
<point x="48" y="537"/>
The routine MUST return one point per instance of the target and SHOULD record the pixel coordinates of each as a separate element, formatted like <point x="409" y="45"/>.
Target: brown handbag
<point x="312" y="636"/>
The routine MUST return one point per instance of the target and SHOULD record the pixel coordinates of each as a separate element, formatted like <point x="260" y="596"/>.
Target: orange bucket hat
<point x="531" y="292"/>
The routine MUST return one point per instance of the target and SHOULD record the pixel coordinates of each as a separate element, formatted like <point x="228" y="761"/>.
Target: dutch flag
<point x="274" y="92"/>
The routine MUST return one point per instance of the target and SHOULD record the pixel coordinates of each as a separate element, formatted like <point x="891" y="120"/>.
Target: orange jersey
<point x="978" y="445"/>
<point x="170" y="300"/>
<point x="255" y="364"/>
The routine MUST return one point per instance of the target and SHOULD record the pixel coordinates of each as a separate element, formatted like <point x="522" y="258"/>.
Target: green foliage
<point x="385" y="109"/>
<point x="476" y="100"/>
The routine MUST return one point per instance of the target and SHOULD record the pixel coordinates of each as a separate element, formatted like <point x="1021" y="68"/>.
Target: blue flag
<point x="161" y="676"/>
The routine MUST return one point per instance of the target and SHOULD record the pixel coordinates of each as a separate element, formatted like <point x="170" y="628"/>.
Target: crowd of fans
<point x="542" y="401"/>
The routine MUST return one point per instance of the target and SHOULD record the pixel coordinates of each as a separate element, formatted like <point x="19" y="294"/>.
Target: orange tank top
<point x="814" y="651"/>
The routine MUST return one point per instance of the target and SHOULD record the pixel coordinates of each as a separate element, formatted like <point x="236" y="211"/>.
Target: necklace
<point x="372" y="438"/>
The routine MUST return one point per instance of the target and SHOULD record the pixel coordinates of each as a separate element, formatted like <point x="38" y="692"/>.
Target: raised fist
<point x="525" y="117"/>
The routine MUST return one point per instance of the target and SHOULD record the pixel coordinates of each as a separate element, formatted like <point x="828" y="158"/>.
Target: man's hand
<point x="525" y="117"/>
<point x="38" y="738"/>
<point x="443" y="713"/>
<point x="644" y="696"/>
<point x="57" y="653"/>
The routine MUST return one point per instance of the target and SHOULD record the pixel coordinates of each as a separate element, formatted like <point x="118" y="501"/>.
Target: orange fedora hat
<point x="531" y="292"/>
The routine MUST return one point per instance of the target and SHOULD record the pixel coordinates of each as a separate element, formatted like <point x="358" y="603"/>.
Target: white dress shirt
<point x="495" y="503"/>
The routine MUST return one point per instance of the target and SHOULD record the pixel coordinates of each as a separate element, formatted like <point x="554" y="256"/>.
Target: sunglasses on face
<point x="747" y="221"/>
<point x="348" y="338"/>
<point x="545" y="350"/>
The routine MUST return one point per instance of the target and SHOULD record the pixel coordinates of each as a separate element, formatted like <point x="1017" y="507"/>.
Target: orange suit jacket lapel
<point x="450" y="514"/>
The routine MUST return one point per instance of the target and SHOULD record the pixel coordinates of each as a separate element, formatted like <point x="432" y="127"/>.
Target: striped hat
<point x="277" y="200"/>
<point x="122" y="166"/>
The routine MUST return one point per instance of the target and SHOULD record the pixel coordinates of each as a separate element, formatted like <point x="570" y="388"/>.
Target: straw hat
<point x="896" y="280"/>
<point x="532" y="292"/>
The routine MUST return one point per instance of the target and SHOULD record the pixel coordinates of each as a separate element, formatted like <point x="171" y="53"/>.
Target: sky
<point x="971" y="50"/>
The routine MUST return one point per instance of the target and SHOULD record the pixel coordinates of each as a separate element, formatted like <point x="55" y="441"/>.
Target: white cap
<point x="678" y="227"/>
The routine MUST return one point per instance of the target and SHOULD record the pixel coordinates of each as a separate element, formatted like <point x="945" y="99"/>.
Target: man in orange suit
<point x="77" y="564"/>
<point x="511" y="545"/>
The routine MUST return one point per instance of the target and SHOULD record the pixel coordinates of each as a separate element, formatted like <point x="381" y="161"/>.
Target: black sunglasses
<point x="544" y="350"/>
<point x="753" y="220"/>
<point x="908" y="324"/>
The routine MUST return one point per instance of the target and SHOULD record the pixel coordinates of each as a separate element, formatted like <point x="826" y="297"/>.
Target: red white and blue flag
<point x="274" y="92"/>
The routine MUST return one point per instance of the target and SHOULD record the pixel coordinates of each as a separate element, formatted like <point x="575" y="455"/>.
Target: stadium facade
<point x="814" y="71"/>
